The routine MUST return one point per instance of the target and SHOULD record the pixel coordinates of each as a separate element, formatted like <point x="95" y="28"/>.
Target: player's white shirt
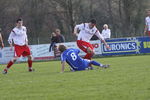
<point x="86" y="33"/>
<point x="106" y="33"/>
<point x="147" y="21"/>
<point x="18" y="36"/>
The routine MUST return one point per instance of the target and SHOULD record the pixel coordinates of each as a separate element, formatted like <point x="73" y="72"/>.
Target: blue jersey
<point x="74" y="60"/>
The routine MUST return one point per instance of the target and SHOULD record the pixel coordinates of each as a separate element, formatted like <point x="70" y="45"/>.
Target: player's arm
<point x="10" y="40"/>
<point x="1" y="41"/>
<point x="77" y="28"/>
<point x="146" y="27"/>
<point x="63" y="66"/>
<point x="105" y="43"/>
<point x="63" y="61"/>
<point x="102" y="39"/>
<point x="26" y="38"/>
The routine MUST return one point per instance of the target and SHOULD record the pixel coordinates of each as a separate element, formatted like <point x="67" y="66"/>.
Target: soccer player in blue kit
<point x="75" y="61"/>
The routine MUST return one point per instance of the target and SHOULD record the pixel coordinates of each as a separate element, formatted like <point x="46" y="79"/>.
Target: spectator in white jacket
<point x="106" y="33"/>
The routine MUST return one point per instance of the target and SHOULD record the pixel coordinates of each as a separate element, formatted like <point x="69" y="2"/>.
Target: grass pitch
<point x="128" y="78"/>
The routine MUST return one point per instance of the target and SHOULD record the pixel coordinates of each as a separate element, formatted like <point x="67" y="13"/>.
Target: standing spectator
<point x="1" y="40"/>
<point x="147" y="23"/>
<point x="18" y="37"/>
<point x="57" y="37"/>
<point x="106" y="33"/>
<point x="86" y="31"/>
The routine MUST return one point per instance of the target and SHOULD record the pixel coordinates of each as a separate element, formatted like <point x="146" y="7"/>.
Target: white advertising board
<point x="41" y="52"/>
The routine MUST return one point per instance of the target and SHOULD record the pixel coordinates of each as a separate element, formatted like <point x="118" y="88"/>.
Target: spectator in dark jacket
<point x="56" y="37"/>
<point x="59" y="37"/>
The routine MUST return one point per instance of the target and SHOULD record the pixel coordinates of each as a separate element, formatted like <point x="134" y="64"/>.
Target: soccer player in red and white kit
<point x="147" y="24"/>
<point x="18" y="37"/>
<point x="86" y="31"/>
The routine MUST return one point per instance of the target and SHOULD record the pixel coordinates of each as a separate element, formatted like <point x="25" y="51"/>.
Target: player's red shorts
<point x="84" y="45"/>
<point x="148" y="33"/>
<point x="22" y="51"/>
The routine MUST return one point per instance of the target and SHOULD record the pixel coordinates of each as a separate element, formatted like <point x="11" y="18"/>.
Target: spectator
<point x="1" y="40"/>
<point x="106" y="33"/>
<point x="147" y="24"/>
<point x="57" y="37"/>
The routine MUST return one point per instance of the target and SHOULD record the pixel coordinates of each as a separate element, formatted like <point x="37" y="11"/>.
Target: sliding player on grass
<point x="85" y="31"/>
<point x="75" y="61"/>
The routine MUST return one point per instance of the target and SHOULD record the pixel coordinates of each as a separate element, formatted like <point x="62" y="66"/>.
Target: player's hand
<point x="2" y="45"/>
<point x="108" y="47"/>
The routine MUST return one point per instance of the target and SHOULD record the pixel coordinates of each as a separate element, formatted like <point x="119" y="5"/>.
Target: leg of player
<point x="149" y="33"/>
<point x="99" y="64"/>
<point x="9" y="65"/>
<point x="30" y="63"/>
<point x="87" y="48"/>
<point x="89" y="54"/>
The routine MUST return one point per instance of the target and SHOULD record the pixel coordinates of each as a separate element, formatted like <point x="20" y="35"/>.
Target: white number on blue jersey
<point x="73" y="56"/>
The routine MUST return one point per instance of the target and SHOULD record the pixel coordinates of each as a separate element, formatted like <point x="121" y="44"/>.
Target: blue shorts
<point x="84" y="65"/>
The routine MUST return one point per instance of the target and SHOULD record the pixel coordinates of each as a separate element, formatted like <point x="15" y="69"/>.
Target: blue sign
<point x="145" y="44"/>
<point x="133" y="45"/>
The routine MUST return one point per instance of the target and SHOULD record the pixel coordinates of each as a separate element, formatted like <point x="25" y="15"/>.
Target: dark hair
<point x="93" y="21"/>
<point x="19" y="19"/>
<point x="62" y="48"/>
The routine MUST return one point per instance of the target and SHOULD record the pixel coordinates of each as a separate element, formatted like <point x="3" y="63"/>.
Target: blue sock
<point x="95" y="63"/>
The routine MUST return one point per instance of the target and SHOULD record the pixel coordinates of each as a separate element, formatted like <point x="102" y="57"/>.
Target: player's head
<point x="92" y="23"/>
<point x="105" y="26"/>
<point x="57" y="31"/>
<point x="62" y="48"/>
<point x="19" y="22"/>
<point x="148" y="12"/>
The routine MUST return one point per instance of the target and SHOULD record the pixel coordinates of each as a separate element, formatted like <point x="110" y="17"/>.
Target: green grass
<point x="128" y="78"/>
